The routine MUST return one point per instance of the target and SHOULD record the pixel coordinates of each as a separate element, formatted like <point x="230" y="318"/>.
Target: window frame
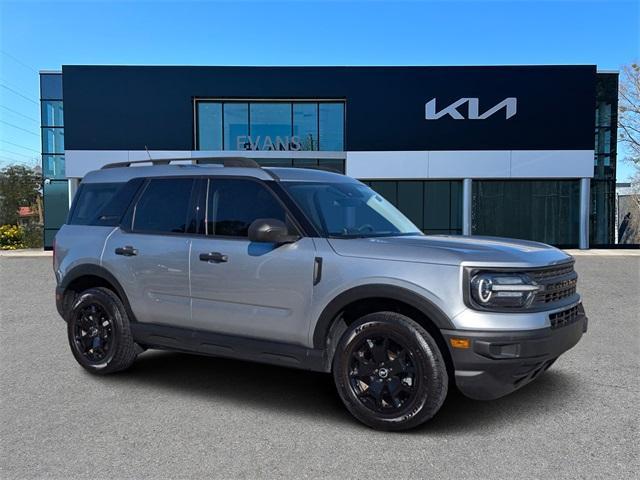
<point x="130" y="215"/>
<point x="303" y="228"/>
<point x="249" y="101"/>
<point x="294" y="221"/>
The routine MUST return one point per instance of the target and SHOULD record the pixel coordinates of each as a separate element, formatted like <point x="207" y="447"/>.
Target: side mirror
<point x="270" y="230"/>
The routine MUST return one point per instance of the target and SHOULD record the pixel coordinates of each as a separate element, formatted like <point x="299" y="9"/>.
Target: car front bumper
<point x="497" y="363"/>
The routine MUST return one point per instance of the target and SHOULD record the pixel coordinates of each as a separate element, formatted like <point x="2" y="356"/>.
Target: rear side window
<point x="90" y="200"/>
<point x="103" y="204"/>
<point x="235" y="203"/>
<point x="163" y="206"/>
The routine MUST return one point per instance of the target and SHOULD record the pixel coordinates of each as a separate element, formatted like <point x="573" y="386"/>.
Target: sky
<point x="45" y="35"/>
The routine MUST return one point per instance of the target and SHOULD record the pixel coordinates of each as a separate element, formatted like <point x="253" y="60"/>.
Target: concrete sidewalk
<point x="26" y="253"/>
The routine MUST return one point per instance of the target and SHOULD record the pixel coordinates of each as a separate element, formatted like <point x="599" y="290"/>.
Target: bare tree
<point x="629" y="114"/>
<point x="629" y="130"/>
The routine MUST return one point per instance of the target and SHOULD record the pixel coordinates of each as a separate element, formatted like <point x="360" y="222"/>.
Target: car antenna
<point x="145" y="147"/>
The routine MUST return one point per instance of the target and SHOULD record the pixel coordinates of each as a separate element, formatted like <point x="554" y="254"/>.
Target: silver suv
<point x="307" y="269"/>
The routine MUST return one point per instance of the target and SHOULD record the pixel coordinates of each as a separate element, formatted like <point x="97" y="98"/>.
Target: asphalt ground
<point x="181" y="416"/>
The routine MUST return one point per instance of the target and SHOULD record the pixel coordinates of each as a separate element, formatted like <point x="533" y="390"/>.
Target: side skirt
<point x="229" y="346"/>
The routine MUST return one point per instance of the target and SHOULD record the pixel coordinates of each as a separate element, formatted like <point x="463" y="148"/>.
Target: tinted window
<point x="210" y="126"/>
<point x="235" y="204"/>
<point x="236" y="126"/>
<point x="349" y="210"/>
<point x="332" y="126"/>
<point x="89" y="201"/>
<point x="164" y="206"/>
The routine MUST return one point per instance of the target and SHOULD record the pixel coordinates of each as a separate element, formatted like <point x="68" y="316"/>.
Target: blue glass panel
<point x="52" y="140"/>
<point x="52" y="113"/>
<point x="51" y="86"/>
<point x="305" y="125"/>
<point x="271" y="127"/>
<point x="331" y="126"/>
<point x="209" y="126"/>
<point x="53" y="166"/>
<point x="236" y="126"/>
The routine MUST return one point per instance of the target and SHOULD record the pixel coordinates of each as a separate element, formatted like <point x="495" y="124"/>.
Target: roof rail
<point x="241" y="162"/>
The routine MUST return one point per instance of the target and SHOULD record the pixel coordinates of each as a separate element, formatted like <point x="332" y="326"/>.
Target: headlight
<point x="503" y="290"/>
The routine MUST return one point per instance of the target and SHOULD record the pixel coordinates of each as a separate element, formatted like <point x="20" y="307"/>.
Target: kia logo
<point x="509" y="104"/>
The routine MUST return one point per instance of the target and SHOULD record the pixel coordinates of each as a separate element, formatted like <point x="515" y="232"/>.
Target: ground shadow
<point x="313" y="395"/>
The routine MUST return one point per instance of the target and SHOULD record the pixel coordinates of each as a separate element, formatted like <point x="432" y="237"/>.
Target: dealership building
<point x="517" y="151"/>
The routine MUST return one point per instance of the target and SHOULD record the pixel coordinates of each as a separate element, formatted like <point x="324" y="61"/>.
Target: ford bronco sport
<point x="307" y="269"/>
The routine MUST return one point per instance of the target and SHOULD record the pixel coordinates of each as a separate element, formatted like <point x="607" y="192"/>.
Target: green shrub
<point x="33" y="236"/>
<point x="11" y="237"/>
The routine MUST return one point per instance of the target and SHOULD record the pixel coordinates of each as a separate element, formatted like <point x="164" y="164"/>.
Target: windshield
<point x="349" y="210"/>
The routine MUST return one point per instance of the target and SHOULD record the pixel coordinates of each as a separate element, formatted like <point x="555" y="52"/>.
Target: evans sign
<point x="510" y="105"/>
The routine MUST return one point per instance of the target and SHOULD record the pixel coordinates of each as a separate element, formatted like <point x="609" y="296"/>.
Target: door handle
<point x="127" y="251"/>
<point x="215" y="257"/>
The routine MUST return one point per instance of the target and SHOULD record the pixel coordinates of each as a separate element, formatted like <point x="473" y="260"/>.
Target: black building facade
<point x="509" y="151"/>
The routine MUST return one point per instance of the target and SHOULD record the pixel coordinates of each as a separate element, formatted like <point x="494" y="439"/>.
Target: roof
<point x="26" y="212"/>
<point x="124" y="174"/>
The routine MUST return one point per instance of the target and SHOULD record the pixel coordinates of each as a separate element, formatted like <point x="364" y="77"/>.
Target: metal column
<point x="585" y="202"/>
<point x="466" y="206"/>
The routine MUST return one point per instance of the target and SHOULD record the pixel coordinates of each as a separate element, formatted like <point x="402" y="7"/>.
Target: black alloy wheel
<point x="93" y="332"/>
<point x="389" y="372"/>
<point x="383" y="374"/>
<point x="99" y="332"/>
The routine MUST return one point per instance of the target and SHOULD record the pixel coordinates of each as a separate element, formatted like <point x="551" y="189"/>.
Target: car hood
<point x="452" y="250"/>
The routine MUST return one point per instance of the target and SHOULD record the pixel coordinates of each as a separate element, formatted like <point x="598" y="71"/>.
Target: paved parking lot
<point x="181" y="416"/>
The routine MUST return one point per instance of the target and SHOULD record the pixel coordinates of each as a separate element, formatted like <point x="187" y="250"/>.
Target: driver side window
<point x="233" y="204"/>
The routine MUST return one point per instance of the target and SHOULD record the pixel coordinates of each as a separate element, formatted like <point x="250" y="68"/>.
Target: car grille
<point x="566" y="317"/>
<point x="558" y="282"/>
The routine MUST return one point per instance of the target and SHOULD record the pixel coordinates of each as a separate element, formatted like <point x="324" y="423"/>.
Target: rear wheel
<point x="99" y="333"/>
<point x="389" y="372"/>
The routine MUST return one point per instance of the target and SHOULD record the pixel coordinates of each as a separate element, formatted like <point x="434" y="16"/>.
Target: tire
<point x="398" y="395"/>
<point x="99" y="333"/>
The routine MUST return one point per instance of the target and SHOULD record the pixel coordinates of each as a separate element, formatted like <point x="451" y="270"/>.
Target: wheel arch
<point x="359" y="301"/>
<point x="87" y="276"/>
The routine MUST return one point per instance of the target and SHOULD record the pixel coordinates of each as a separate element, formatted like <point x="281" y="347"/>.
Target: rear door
<point x="238" y="287"/>
<point x="149" y="254"/>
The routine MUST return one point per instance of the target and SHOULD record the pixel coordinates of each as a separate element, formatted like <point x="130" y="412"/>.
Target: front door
<point x="238" y="287"/>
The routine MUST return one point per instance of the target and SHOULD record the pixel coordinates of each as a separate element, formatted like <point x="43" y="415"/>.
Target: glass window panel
<point x="331" y="165"/>
<point x="52" y="113"/>
<point x="53" y="140"/>
<point x="604" y="114"/>
<point x="270" y="127"/>
<point x="235" y="204"/>
<point x="236" y="126"/>
<point x="331" y="126"/>
<point x="545" y="211"/>
<point x="388" y="189"/>
<point x="90" y="199"/>
<point x="437" y="205"/>
<point x="455" y="214"/>
<point x="305" y="125"/>
<point x="305" y="162"/>
<point x="51" y="86"/>
<point x="164" y="206"/>
<point x="274" y="162"/>
<point x="53" y="166"/>
<point x="410" y="201"/>
<point x="209" y="126"/>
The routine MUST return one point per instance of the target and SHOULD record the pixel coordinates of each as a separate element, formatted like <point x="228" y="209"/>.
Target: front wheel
<point x="389" y="372"/>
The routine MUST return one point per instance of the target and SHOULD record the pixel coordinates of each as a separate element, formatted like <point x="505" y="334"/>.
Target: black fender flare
<point x="376" y="291"/>
<point x="100" y="272"/>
